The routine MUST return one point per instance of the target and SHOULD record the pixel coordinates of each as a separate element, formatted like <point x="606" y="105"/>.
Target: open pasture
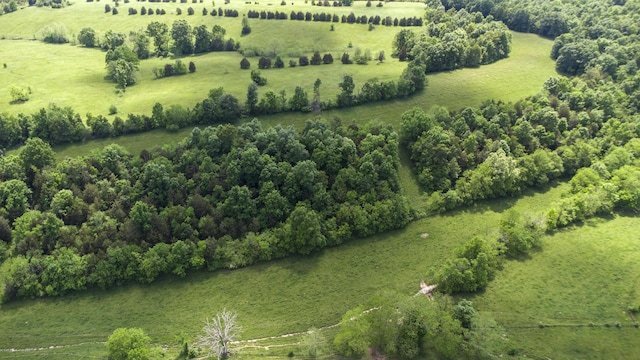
<point x="74" y="76"/>
<point x="579" y="287"/>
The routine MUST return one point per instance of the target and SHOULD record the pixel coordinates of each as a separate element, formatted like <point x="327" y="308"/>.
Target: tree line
<point x="224" y="197"/>
<point x="327" y="17"/>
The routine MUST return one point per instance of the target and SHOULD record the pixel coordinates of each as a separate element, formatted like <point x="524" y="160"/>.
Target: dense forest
<point x="223" y="197"/>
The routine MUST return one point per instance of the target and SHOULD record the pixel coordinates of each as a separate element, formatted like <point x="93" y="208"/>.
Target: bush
<point x="244" y="64"/>
<point x="20" y="94"/>
<point x="303" y="61"/>
<point x="256" y="78"/>
<point x="55" y="34"/>
<point x="192" y="67"/>
<point x="113" y="110"/>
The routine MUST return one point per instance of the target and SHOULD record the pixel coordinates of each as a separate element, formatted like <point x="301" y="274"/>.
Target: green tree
<point x="128" y="344"/>
<point x="306" y="232"/>
<point x="252" y="99"/>
<point x="122" y="66"/>
<point x="351" y="339"/>
<point x="15" y="197"/>
<point x="182" y="36"/>
<point x="36" y="154"/>
<point x="140" y="44"/>
<point x="87" y="37"/>
<point x="160" y="34"/>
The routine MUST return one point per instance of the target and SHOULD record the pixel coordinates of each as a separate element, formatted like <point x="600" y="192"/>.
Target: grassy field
<point x="272" y="299"/>
<point x="587" y="274"/>
<point x="45" y="67"/>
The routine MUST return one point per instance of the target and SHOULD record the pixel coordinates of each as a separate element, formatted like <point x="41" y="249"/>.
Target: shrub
<point x="20" y="94"/>
<point x="303" y="61"/>
<point x="55" y="34"/>
<point x="192" y="67"/>
<point x="292" y="63"/>
<point x="279" y="64"/>
<point x="244" y="64"/>
<point x="259" y="80"/>
<point x="113" y="110"/>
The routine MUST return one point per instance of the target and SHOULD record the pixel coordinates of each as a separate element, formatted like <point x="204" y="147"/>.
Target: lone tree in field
<point x="219" y="332"/>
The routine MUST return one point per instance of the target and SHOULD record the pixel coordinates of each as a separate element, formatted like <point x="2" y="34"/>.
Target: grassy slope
<point x="586" y="274"/>
<point x="271" y="299"/>
<point x="45" y="67"/>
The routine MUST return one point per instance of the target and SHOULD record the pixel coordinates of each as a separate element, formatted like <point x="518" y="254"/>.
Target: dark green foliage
<point x="473" y="267"/>
<point x="245" y="64"/>
<point x="257" y="78"/>
<point x="87" y="37"/>
<point x="454" y="40"/>
<point x="416" y="328"/>
<point x="110" y="217"/>
<point x="182" y="36"/>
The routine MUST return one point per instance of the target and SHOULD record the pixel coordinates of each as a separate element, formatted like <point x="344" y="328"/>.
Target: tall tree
<point x="182" y="38"/>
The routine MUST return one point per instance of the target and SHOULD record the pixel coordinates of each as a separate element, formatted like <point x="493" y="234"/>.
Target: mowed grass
<point x="587" y="274"/>
<point x="74" y="76"/>
<point x="275" y="298"/>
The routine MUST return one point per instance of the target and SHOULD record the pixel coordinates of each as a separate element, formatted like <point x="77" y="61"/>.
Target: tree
<point x="219" y="332"/>
<point x="345" y="59"/>
<point x="245" y="64"/>
<point x="87" y="37"/>
<point x="36" y="154"/>
<point x="279" y="64"/>
<point x="182" y="37"/>
<point x="160" y="34"/>
<point x="128" y="344"/>
<point x="345" y="98"/>
<point x="122" y="66"/>
<point x="316" y="59"/>
<point x="203" y="39"/>
<point x="20" y="94"/>
<point x="246" y="29"/>
<point x="140" y="44"/>
<point x="14" y="198"/>
<point x="252" y="99"/>
<point x="192" y="67"/>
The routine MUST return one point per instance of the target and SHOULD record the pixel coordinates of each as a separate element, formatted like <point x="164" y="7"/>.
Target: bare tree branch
<point x="219" y="332"/>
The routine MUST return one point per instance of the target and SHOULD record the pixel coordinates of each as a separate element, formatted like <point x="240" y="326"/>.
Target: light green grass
<point x="585" y="274"/>
<point x="74" y="76"/>
<point x="283" y="296"/>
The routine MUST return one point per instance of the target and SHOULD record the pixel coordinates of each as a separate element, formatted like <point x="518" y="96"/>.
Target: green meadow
<point x="73" y="76"/>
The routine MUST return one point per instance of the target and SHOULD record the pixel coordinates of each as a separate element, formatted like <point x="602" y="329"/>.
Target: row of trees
<point x="223" y="197"/>
<point x="411" y="81"/>
<point x="327" y="17"/>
